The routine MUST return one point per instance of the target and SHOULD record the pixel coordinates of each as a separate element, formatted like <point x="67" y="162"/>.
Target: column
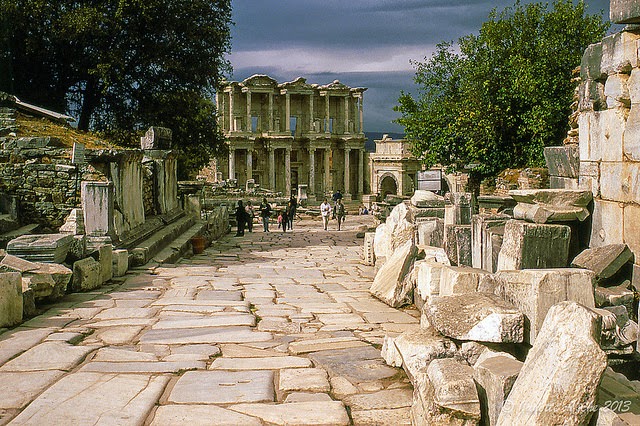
<point x="347" y="171"/>
<point x="232" y="163"/>
<point x="361" y="114"/>
<point x="220" y="110"/>
<point x="327" y="170"/>
<point x="287" y="171"/>
<point x="249" y="163"/>
<point x="327" y="127"/>
<point x="287" y="112"/>
<point x="346" y="114"/>
<point x="312" y="171"/>
<point x="311" y="129"/>
<point x="271" y="112"/>
<point x="249" y="121"/>
<point x="272" y="168"/>
<point x="361" y="173"/>
<point x="231" y="120"/>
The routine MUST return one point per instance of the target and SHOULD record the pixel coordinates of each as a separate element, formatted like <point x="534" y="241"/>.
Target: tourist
<point x="280" y="219"/>
<point x="285" y="219"/>
<point x="365" y="211"/>
<point x="292" y="207"/>
<point x="241" y="218"/>
<point x="339" y="212"/>
<point x="265" y="214"/>
<point x="325" y="211"/>
<point x="336" y="196"/>
<point x="250" y="215"/>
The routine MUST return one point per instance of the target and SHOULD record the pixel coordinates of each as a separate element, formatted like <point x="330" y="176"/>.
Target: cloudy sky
<point x="362" y="43"/>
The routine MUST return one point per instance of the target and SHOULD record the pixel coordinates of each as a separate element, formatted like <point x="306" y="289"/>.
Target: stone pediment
<point x="299" y="85"/>
<point x="335" y="86"/>
<point x="260" y="81"/>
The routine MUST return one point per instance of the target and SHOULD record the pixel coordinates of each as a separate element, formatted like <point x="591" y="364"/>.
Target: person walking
<point x="335" y="197"/>
<point x="292" y="207"/>
<point x="265" y="214"/>
<point x="241" y="218"/>
<point x="285" y="220"/>
<point x="325" y="211"/>
<point x="250" y="215"/>
<point x="340" y="212"/>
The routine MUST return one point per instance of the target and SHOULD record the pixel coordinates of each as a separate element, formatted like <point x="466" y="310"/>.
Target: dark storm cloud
<point x="363" y="43"/>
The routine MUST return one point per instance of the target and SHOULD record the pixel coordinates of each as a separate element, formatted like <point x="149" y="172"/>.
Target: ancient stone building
<point x="393" y="168"/>
<point x="283" y="135"/>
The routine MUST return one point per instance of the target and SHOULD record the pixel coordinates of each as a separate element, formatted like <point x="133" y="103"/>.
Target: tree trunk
<point x="89" y="103"/>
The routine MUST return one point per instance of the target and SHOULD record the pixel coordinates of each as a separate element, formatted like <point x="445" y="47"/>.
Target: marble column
<point x="287" y="107"/>
<point x="287" y="171"/>
<point x="231" y="120"/>
<point x="327" y="170"/>
<point x="327" y="120"/>
<point x="272" y="169"/>
<point x="232" y="163"/>
<point x="311" y="129"/>
<point x="312" y="171"/>
<point x="347" y="171"/>
<point x="346" y="114"/>
<point x="271" y="112"/>
<point x="220" y="108"/>
<point x="360" y="172"/>
<point x="249" y="121"/>
<point x="249" y="164"/>
<point x="361" y="113"/>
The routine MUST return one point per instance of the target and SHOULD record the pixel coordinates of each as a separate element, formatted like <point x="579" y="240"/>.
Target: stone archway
<point x="388" y="185"/>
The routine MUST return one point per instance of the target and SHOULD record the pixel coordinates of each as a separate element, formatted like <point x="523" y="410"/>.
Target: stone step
<point x="181" y="245"/>
<point x="17" y="232"/>
<point x="147" y="249"/>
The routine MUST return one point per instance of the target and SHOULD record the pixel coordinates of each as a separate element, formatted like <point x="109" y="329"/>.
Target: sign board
<point x="78" y="154"/>
<point x="429" y="180"/>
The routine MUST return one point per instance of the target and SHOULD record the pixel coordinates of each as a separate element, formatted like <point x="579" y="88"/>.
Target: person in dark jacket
<point x="265" y="214"/>
<point x="285" y="219"/>
<point x="292" y="207"/>
<point x="241" y="218"/>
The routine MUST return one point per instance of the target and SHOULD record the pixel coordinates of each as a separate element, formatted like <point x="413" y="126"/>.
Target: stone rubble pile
<point x="515" y="328"/>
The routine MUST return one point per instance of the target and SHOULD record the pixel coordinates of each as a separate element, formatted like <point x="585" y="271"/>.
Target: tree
<point x="123" y="65"/>
<point x="506" y="94"/>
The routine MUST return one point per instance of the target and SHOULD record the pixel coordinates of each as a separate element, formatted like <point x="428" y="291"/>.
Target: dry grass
<point x="29" y="126"/>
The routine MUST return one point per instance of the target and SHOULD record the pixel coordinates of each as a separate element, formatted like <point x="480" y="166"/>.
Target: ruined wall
<point x="609" y="129"/>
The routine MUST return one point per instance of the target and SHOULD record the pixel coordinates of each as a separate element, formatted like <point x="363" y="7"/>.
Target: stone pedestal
<point x="534" y="246"/>
<point x="52" y="248"/>
<point x="97" y="206"/>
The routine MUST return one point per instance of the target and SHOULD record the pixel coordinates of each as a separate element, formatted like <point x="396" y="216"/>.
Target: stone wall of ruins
<point x="609" y="133"/>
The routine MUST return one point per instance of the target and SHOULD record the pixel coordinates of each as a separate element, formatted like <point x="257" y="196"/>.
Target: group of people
<point x="246" y="213"/>
<point x="338" y="210"/>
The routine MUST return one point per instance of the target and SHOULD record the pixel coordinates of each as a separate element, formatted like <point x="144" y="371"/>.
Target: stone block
<point x="495" y="377"/>
<point x="389" y="284"/>
<point x="535" y="291"/>
<point x="458" y="244"/>
<point x="460" y="280"/>
<point x="591" y="144"/>
<point x="481" y="317"/>
<point x="104" y="256"/>
<point x="417" y="348"/>
<point x="430" y="232"/>
<point x="49" y="281"/>
<point x="617" y="92"/>
<point x="157" y="138"/>
<point x="620" y="181"/>
<point x="607" y="223"/>
<point x="545" y="213"/>
<point x="563" y="161"/>
<point x="619" y="53"/>
<point x="584" y="134"/>
<point x="368" y="253"/>
<point x="427" y="282"/>
<point x="613" y="123"/>
<point x="590" y="67"/>
<point x="426" y="199"/>
<point x="460" y="210"/>
<point x="389" y="352"/>
<point x="631" y="145"/>
<point x="11" y="303"/>
<point x="590" y="177"/>
<point x="624" y="11"/>
<point x="446" y="395"/>
<point x="619" y="295"/>
<point x="568" y="355"/>
<point x="604" y="261"/>
<point x="98" y="208"/>
<point x="12" y="263"/>
<point x="74" y="224"/>
<point x="481" y="241"/>
<point x="528" y="245"/>
<point x="553" y="197"/>
<point x="120" y="263"/>
<point x="631" y="232"/>
<point x="382" y="241"/>
<point x="41" y="248"/>
<point x="86" y="275"/>
<point x="633" y="85"/>
<point x="556" y="182"/>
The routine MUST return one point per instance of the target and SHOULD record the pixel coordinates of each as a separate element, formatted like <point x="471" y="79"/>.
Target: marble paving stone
<point x="223" y="387"/>
<point x="200" y="415"/>
<point x="385" y="317"/>
<point x="203" y="335"/>
<point x="303" y="379"/>
<point x="396" y="417"/>
<point x="270" y="363"/>
<point x="79" y="399"/>
<point x="306" y="346"/>
<point x="317" y="413"/>
<point x="49" y="356"/>
<point x="355" y="364"/>
<point x="141" y="367"/>
<point x="278" y="325"/>
<point x="384" y="399"/>
<point x="225" y="320"/>
<point x="122" y="355"/>
<point x="340" y="319"/>
<point x="22" y="387"/>
<point x="241" y="351"/>
<point x="307" y="397"/>
<point x="117" y="335"/>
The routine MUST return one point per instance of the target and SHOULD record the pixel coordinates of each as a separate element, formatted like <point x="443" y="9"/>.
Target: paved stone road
<point x="270" y="328"/>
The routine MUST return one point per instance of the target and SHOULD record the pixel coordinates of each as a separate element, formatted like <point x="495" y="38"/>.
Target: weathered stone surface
<point x="120" y="263"/>
<point x="430" y="231"/>
<point x="41" y="248"/>
<point x="534" y="246"/>
<point x="422" y="198"/>
<point x="535" y="291"/>
<point x="495" y="377"/>
<point x="49" y="280"/>
<point x="368" y="252"/>
<point x="87" y="275"/>
<point x="624" y="12"/>
<point x="389" y="352"/>
<point x="604" y="261"/>
<point x="303" y="379"/>
<point x="384" y="399"/>
<point x="330" y="413"/>
<point x="200" y="415"/>
<point x="25" y="386"/>
<point x="12" y="263"/>
<point x="605" y="228"/>
<point x="446" y="395"/>
<point x="482" y="243"/>
<point x="459" y="280"/>
<point x="49" y="356"/>
<point x="79" y="399"/>
<point x="559" y="379"/>
<point x="563" y="161"/>
<point x="104" y="256"/>
<point x="553" y="197"/>
<point x="607" y="417"/>
<point x="223" y="387"/>
<point x="11" y="303"/>
<point x="417" y="348"/>
<point x="401" y="226"/>
<point x="382" y="241"/>
<point x="539" y="213"/>
<point x="458" y="244"/>
<point x="314" y="345"/>
<point x="357" y="365"/>
<point x="396" y="417"/>
<point x="619" y="295"/>
<point x="482" y="317"/>
<point x="204" y="335"/>
<point x="269" y="363"/>
<point x="428" y="275"/>
<point x="389" y="284"/>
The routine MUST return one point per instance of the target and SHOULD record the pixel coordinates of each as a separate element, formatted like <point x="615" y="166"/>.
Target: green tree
<point x="505" y="94"/>
<point x="120" y="66"/>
